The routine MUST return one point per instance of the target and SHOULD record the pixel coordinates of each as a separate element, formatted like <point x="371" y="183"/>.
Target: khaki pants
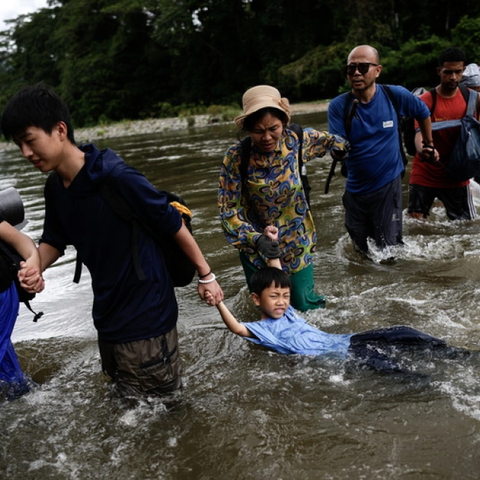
<point x="146" y="367"/>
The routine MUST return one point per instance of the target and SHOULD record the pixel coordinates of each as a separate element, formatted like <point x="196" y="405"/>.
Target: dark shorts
<point x="146" y="367"/>
<point x="376" y="215"/>
<point x="384" y="349"/>
<point x="458" y="201"/>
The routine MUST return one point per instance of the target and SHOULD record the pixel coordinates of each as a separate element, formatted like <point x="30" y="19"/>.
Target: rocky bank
<point x="158" y="125"/>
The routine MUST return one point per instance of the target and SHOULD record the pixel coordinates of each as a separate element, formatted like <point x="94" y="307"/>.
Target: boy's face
<point x="41" y="149"/>
<point x="273" y="301"/>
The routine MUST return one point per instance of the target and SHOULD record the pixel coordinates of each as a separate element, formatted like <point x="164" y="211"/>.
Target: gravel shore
<point x="158" y="125"/>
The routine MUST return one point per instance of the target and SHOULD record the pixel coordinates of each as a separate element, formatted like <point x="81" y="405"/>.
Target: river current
<point x="247" y="413"/>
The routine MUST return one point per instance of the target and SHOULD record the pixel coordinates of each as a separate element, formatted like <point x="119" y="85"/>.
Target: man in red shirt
<point x="430" y="179"/>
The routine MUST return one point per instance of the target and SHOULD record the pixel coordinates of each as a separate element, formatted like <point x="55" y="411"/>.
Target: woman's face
<point x="266" y="133"/>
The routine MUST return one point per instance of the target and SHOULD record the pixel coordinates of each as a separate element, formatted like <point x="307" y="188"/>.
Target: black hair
<point x="452" y="54"/>
<point x="35" y="106"/>
<point x="250" y="121"/>
<point x="265" y="277"/>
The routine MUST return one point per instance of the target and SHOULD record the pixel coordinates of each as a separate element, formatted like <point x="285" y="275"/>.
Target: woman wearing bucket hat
<point x="13" y="382"/>
<point x="268" y="191"/>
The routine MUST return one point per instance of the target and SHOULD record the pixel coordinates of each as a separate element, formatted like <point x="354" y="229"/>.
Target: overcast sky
<point x="10" y="9"/>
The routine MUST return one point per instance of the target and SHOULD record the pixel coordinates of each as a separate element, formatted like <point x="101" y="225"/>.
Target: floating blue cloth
<point x="292" y="334"/>
<point x="13" y="382"/>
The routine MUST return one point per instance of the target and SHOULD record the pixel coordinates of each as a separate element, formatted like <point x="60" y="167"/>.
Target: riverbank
<point x="159" y="125"/>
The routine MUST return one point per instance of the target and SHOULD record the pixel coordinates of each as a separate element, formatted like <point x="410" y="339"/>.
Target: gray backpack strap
<point x="471" y="108"/>
<point x="472" y="103"/>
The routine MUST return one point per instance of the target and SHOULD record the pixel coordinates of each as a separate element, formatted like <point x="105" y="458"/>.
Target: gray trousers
<point x="376" y="215"/>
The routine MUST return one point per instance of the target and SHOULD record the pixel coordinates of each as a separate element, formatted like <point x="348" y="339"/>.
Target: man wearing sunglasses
<point x="368" y="118"/>
<point x="430" y="180"/>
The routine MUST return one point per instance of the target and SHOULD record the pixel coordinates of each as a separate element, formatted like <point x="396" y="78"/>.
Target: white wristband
<point x="208" y="281"/>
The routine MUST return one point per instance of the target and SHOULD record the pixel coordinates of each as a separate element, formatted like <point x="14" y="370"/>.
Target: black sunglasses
<point x="361" y="67"/>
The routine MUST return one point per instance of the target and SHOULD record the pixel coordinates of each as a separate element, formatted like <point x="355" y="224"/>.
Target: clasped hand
<point x="30" y="278"/>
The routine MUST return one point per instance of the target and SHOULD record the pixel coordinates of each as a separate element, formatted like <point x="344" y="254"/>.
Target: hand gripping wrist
<point x="267" y="247"/>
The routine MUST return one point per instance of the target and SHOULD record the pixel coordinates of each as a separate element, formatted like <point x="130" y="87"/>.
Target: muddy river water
<point x="246" y="413"/>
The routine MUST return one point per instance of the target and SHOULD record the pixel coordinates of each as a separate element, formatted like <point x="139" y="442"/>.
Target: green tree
<point x="116" y="59"/>
<point x="29" y="54"/>
<point x="466" y="35"/>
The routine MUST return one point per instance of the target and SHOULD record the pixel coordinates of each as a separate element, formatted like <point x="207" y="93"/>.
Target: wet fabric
<point x="151" y="366"/>
<point x="376" y="215"/>
<point x="291" y="334"/>
<point x="13" y="382"/>
<point x="303" y="296"/>
<point x="458" y="202"/>
<point x="384" y="349"/>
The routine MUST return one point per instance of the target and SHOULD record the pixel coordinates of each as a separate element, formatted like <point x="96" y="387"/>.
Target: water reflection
<point x="246" y="413"/>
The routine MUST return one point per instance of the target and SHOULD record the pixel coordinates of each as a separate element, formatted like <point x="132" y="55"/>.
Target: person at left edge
<point x="135" y="319"/>
<point x="13" y="382"/>
<point x="272" y="192"/>
<point x="373" y="191"/>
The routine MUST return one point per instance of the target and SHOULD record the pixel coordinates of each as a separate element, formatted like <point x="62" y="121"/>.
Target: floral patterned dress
<point x="272" y="194"/>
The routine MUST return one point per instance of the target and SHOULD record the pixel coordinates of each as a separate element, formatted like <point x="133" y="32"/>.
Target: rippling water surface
<point x="246" y="413"/>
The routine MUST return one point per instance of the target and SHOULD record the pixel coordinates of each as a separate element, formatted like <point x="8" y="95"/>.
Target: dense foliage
<point x="116" y="59"/>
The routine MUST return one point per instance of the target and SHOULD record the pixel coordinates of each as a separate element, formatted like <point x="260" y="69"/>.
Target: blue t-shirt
<point x="375" y="158"/>
<point x="292" y="334"/>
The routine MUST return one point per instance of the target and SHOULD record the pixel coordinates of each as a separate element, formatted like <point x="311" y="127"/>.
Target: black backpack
<point x="10" y="265"/>
<point x="246" y="146"/>
<point x="408" y="127"/>
<point x="179" y="266"/>
<point x="464" y="161"/>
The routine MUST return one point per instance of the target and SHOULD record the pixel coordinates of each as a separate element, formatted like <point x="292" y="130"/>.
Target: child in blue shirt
<point x="282" y="330"/>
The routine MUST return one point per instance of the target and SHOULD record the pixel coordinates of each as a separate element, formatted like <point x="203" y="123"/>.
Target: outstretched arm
<point x="230" y="321"/>
<point x="188" y="244"/>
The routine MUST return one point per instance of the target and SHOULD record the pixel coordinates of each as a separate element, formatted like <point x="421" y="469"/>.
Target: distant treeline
<point x="135" y="59"/>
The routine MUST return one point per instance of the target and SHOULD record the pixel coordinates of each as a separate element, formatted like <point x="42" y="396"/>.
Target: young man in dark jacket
<point x="135" y="319"/>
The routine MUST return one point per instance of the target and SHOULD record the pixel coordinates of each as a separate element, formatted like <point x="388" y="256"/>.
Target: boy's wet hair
<point x="265" y="277"/>
<point x="35" y="106"/>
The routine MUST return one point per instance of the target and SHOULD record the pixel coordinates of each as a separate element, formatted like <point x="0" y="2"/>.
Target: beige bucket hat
<point x="262" y="96"/>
